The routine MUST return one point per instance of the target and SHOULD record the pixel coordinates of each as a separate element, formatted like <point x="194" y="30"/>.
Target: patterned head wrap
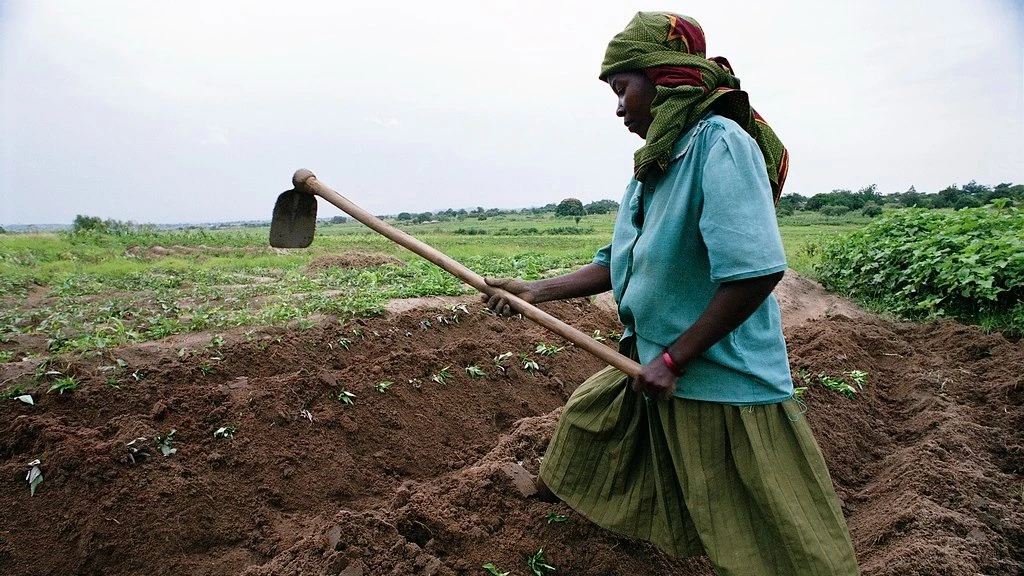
<point x="669" y="49"/>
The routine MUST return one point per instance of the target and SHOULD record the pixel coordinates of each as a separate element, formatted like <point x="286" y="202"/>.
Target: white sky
<point x="199" y="111"/>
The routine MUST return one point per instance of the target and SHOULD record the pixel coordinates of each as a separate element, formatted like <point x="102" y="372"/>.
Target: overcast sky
<point x="200" y="111"/>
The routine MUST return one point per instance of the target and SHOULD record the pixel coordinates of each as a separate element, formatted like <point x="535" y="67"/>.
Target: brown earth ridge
<point x="928" y="459"/>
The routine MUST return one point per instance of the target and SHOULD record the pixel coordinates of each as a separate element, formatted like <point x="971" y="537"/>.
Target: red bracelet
<point x="672" y="367"/>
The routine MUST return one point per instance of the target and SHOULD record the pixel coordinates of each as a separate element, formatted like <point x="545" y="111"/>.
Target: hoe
<point x="294" y="224"/>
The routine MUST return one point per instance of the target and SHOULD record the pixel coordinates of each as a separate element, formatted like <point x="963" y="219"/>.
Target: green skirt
<point x="745" y="485"/>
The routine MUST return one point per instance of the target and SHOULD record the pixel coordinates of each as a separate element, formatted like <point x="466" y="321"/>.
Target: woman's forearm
<point x="588" y="280"/>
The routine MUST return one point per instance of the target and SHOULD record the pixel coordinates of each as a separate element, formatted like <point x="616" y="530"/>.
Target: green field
<point x="88" y="292"/>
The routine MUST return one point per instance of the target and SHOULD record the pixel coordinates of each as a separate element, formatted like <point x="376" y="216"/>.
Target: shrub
<point x="834" y="210"/>
<point x="919" y="263"/>
<point x="871" y="210"/>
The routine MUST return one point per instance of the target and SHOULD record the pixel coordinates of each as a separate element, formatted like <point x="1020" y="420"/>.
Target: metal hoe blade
<point x="294" y="221"/>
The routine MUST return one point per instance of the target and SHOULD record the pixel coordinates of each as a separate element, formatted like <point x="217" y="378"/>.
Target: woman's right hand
<point x="499" y="304"/>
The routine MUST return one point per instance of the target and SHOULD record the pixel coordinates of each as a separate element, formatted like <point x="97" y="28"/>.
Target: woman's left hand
<point x="656" y="380"/>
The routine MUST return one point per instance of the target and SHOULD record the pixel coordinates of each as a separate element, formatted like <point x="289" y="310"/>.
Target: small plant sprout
<point x="63" y="384"/>
<point x="837" y="385"/>
<point x="164" y="441"/>
<point x="538" y="564"/>
<point x="859" y="377"/>
<point x="460" y="308"/>
<point x="528" y="363"/>
<point x="136" y="449"/>
<point x="216" y="341"/>
<point x="597" y="336"/>
<point x="547" y="349"/>
<point x="383" y="386"/>
<point x="306" y="414"/>
<point x="475" y="371"/>
<point x="556" y="518"/>
<point x="227" y="432"/>
<point x="501" y="361"/>
<point x="443" y="375"/>
<point x="34" y="476"/>
<point x="798" y="393"/>
<point x="345" y="343"/>
<point x="345" y="397"/>
<point x="493" y="570"/>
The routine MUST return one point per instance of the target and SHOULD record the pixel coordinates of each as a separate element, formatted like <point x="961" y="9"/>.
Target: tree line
<point x="869" y="200"/>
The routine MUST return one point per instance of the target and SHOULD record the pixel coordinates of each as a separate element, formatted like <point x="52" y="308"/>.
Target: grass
<point x="88" y="293"/>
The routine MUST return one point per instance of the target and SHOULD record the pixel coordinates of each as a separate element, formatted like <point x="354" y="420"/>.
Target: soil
<point x="352" y="259"/>
<point x="928" y="459"/>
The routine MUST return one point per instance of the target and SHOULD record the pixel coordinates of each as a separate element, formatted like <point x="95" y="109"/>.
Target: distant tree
<point x="338" y="220"/>
<point x="601" y="207"/>
<point x="403" y="216"/>
<point x="87" y="224"/>
<point x="570" y="207"/>
<point x="3" y="230"/>
<point x="424" y="217"/>
<point x="966" y="201"/>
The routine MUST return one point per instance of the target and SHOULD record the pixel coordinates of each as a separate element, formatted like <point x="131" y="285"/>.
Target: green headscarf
<point x="670" y="50"/>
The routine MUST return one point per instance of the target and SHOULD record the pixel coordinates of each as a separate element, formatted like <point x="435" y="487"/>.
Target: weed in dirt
<point x="383" y="386"/>
<point x="538" y="564"/>
<point x="164" y="442"/>
<point x="136" y="450"/>
<point x="63" y="384"/>
<point x="502" y="360"/>
<point x="226" y="432"/>
<point x="545" y="349"/>
<point x="343" y="396"/>
<point x="34" y="476"/>
<point x="493" y="570"/>
<point x="475" y="371"/>
<point x="528" y="364"/>
<point x="345" y="343"/>
<point x="442" y="375"/>
<point x="556" y="518"/>
<point x="6" y="356"/>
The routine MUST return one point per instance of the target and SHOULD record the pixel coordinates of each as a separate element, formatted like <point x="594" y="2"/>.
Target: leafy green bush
<point x="919" y="263"/>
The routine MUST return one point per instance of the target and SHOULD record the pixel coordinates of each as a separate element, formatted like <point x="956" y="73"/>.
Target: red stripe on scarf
<point x="671" y="76"/>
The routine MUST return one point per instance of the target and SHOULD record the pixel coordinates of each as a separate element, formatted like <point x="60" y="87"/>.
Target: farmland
<point x="202" y="403"/>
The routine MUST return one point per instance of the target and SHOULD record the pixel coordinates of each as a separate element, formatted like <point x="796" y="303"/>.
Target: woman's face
<point x="636" y="93"/>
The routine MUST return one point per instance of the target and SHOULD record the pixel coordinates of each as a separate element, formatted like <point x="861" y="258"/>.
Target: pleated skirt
<point x="745" y="485"/>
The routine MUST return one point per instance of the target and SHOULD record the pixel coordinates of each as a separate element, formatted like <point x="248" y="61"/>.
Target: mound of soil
<point x="928" y="458"/>
<point x="352" y="259"/>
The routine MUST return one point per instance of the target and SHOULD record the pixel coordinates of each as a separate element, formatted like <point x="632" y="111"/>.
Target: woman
<point x="705" y="452"/>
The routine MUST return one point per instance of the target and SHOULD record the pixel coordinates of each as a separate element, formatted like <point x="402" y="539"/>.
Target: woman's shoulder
<point x="706" y="132"/>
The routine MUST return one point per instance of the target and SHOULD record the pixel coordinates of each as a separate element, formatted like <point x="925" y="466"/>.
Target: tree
<point x="570" y="207"/>
<point x="88" y="224"/>
<point x="403" y="216"/>
<point x="338" y="220"/>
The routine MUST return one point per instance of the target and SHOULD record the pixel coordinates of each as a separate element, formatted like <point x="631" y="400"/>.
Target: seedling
<point x="16" y="394"/>
<point x="63" y="384"/>
<point x="136" y="448"/>
<point x="383" y="386"/>
<point x="528" y="364"/>
<point x="597" y="336"/>
<point x="555" y="518"/>
<point x="493" y="570"/>
<point x="547" y="349"/>
<point x="442" y="376"/>
<point x="501" y="361"/>
<point x="306" y="414"/>
<point x="475" y="371"/>
<point x="538" y="564"/>
<point x="798" y="393"/>
<point x="425" y="325"/>
<point x="460" y="308"/>
<point x="415" y="382"/>
<point x="859" y="377"/>
<point x="216" y="341"/>
<point x="837" y="385"/>
<point x="345" y="343"/>
<point x="6" y="356"/>
<point x="164" y="441"/>
<point x="227" y="432"/>
<point x="34" y="476"/>
<point x="345" y="397"/>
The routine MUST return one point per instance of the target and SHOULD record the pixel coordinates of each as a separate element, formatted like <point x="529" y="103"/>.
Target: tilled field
<point x="928" y="458"/>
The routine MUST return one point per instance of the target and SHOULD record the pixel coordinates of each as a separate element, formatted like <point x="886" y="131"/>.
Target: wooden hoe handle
<point x="305" y="180"/>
